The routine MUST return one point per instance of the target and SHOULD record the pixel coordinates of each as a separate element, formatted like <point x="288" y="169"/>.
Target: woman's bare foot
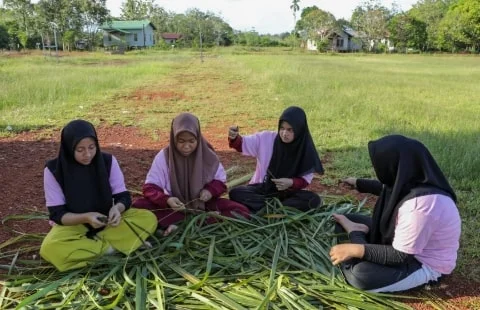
<point x="348" y="225"/>
<point x="169" y="230"/>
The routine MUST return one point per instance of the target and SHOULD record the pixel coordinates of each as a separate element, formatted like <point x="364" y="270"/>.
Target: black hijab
<point x="406" y="169"/>
<point x="86" y="188"/>
<point x="298" y="157"/>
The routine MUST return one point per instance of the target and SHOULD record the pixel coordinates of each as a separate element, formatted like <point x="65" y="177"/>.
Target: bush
<point x="322" y="45"/>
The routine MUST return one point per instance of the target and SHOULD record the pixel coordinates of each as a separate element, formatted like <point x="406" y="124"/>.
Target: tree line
<point x="430" y="25"/>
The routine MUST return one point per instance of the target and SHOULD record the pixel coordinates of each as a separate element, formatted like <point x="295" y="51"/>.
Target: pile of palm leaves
<point x="277" y="260"/>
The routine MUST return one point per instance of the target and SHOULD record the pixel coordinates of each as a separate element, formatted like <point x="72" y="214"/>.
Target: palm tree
<point x="295" y="8"/>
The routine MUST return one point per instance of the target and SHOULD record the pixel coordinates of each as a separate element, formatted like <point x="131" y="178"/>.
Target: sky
<point x="265" y="16"/>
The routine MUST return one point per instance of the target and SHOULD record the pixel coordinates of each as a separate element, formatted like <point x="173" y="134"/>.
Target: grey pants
<point x="367" y="275"/>
<point x="253" y="196"/>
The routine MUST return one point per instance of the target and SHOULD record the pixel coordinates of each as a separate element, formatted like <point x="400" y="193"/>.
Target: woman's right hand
<point x="95" y="219"/>
<point x="350" y="181"/>
<point x="175" y="204"/>
<point x="233" y="132"/>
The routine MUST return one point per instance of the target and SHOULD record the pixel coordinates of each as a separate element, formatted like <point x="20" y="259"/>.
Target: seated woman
<point x="86" y="197"/>
<point x="286" y="161"/>
<point x="187" y="174"/>
<point x="413" y="236"/>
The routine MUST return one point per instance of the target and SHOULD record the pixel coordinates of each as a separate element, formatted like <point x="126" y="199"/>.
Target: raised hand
<point x="233" y="132"/>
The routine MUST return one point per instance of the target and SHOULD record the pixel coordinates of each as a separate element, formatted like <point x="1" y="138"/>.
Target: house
<point x="343" y="40"/>
<point x="347" y="40"/>
<point x="81" y="44"/>
<point x="171" y="38"/>
<point x="128" y="33"/>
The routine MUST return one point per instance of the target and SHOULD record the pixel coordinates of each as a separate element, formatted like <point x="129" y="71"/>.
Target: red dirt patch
<point x="143" y="94"/>
<point x="22" y="160"/>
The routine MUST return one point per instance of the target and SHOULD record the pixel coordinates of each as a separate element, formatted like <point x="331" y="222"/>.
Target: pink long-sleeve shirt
<point x="159" y="174"/>
<point x="429" y="227"/>
<point x="260" y="146"/>
<point x="54" y="194"/>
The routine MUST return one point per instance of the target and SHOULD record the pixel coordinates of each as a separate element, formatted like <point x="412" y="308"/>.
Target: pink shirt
<point x="159" y="173"/>
<point x="54" y="194"/>
<point x="429" y="228"/>
<point x="260" y="145"/>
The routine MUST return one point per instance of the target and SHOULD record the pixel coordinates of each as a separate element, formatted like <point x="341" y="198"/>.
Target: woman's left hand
<point x="342" y="252"/>
<point x="283" y="183"/>
<point x="205" y="195"/>
<point x="115" y="215"/>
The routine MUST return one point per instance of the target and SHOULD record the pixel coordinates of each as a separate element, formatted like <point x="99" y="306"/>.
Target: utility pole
<point x="55" y="26"/>
<point x="201" y="39"/>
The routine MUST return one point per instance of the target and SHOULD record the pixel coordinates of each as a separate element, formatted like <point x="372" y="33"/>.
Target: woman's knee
<point x="47" y="247"/>
<point x="315" y="201"/>
<point x="363" y="275"/>
<point x="142" y="217"/>
<point x="236" y="193"/>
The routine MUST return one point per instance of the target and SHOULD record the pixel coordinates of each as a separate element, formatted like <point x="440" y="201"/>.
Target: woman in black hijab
<point x="286" y="161"/>
<point x="88" y="202"/>
<point x="413" y="235"/>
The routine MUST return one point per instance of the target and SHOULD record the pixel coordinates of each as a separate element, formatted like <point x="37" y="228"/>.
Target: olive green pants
<point x="67" y="247"/>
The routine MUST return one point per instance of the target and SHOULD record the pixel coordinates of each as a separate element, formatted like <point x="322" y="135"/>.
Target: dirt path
<point x="23" y="156"/>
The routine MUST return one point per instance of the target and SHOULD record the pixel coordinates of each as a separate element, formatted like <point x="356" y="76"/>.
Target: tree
<point x="295" y="8"/>
<point x="371" y="19"/>
<point x="407" y="32"/>
<point x="4" y="37"/>
<point x="62" y="13"/>
<point x="92" y="14"/>
<point x="23" y="10"/>
<point x="344" y="23"/>
<point x="461" y="25"/>
<point x="138" y="9"/>
<point x="318" y="25"/>
<point x="431" y="12"/>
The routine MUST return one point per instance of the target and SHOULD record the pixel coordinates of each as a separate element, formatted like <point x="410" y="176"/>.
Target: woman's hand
<point x="352" y="182"/>
<point x="175" y="204"/>
<point x="96" y="219"/>
<point x="115" y="214"/>
<point x="283" y="183"/>
<point x="233" y="132"/>
<point x="205" y="195"/>
<point x="342" y="252"/>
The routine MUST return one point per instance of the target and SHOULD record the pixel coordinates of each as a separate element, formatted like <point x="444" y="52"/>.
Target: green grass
<point x="39" y="92"/>
<point x="349" y="100"/>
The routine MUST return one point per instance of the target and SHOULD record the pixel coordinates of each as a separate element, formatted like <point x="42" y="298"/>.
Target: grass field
<point x="349" y="100"/>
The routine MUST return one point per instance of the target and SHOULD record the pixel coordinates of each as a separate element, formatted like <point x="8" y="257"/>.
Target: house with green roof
<point x="128" y="33"/>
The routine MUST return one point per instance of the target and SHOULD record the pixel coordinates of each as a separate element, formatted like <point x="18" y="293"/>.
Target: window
<point x="109" y="37"/>
<point x="135" y="37"/>
<point x="339" y="42"/>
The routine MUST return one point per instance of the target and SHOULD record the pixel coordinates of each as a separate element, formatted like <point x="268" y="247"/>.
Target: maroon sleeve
<point x="155" y="194"/>
<point x="236" y="143"/>
<point x="299" y="183"/>
<point x="216" y="188"/>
